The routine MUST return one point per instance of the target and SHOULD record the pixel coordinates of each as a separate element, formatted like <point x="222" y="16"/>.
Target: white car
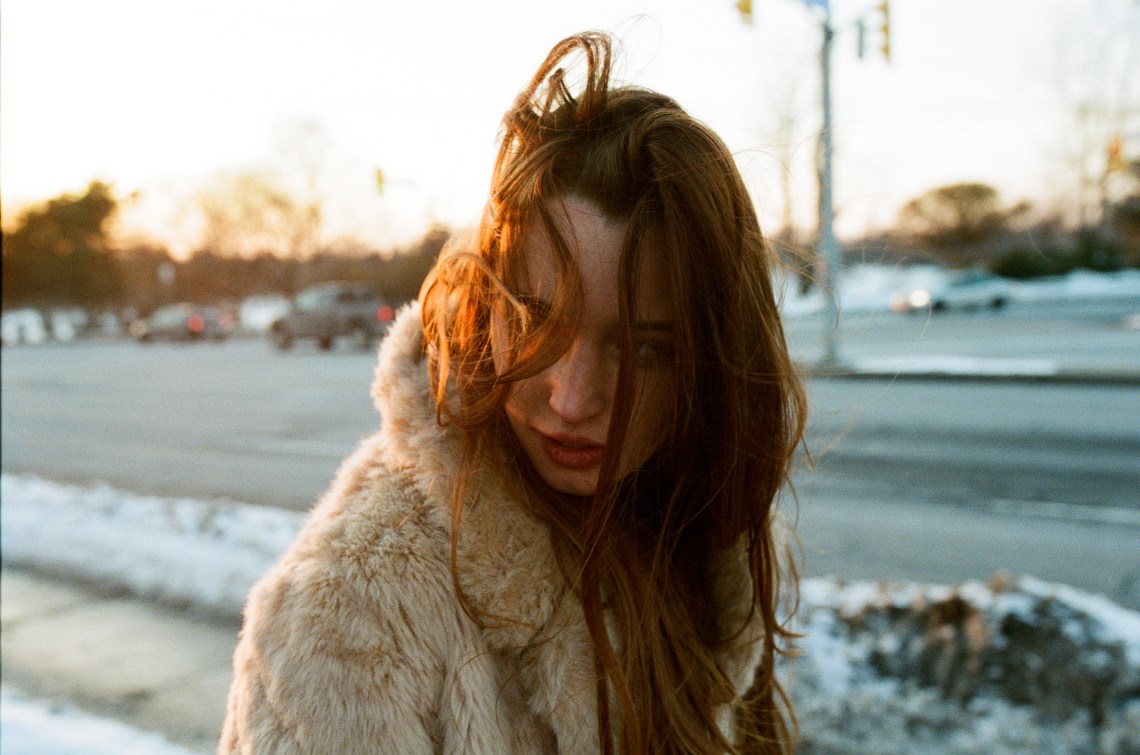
<point x="965" y="289"/>
<point x="23" y="326"/>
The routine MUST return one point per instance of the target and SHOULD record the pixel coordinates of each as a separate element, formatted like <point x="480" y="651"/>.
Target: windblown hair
<point x="639" y="551"/>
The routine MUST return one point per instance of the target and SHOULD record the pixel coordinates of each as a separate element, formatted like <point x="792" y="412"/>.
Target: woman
<point x="563" y="539"/>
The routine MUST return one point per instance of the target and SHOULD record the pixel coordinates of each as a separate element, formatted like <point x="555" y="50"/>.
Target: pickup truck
<point x="330" y="311"/>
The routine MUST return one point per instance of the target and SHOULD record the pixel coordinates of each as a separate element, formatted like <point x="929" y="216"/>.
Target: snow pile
<point x="177" y="550"/>
<point x="1015" y="665"/>
<point x="868" y="288"/>
<point x="33" y="728"/>
<point x="1079" y="284"/>
<point x="950" y="364"/>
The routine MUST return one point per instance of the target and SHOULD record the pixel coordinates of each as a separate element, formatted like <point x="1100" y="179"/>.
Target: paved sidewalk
<point x="116" y="656"/>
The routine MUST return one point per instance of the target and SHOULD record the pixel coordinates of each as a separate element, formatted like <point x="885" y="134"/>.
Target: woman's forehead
<point x="595" y="243"/>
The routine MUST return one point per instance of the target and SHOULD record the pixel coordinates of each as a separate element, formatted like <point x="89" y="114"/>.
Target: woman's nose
<point x="580" y="389"/>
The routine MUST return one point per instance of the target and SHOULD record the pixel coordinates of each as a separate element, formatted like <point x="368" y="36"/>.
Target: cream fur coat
<point x="355" y="642"/>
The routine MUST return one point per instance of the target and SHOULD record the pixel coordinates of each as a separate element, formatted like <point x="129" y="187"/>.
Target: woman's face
<point x="561" y="416"/>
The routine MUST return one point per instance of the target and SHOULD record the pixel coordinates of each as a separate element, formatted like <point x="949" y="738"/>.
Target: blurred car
<point x="22" y="326"/>
<point x="183" y="322"/>
<point x="329" y="311"/>
<point x="256" y="314"/>
<point x="965" y="290"/>
<point x="67" y="324"/>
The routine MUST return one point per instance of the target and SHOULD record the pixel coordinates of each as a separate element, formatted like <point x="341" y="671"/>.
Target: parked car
<point x="330" y="311"/>
<point x="256" y="314"/>
<point x="965" y="289"/>
<point x="22" y="326"/>
<point x="67" y="324"/>
<point x="183" y="322"/>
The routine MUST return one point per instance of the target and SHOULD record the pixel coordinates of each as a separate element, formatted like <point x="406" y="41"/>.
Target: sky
<point x="162" y="98"/>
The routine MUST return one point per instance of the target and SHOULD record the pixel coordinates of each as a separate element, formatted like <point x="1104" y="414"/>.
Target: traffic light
<point x="1115" y="158"/>
<point x="885" y="9"/>
<point x="379" y="181"/>
<point x="745" y="8"/>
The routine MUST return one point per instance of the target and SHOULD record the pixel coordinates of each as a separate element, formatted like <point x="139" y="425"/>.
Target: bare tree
<point x="279" y="208"/>
<point x="302" y="163"/>
<point x="247" y="213"/>
<point x="1097" y="57"/>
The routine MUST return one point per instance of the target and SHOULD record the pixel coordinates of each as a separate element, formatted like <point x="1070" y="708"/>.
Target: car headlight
<point x="919" y="298"/>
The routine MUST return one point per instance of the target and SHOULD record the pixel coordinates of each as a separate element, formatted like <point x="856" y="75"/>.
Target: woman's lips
<point x="572" y="452"/>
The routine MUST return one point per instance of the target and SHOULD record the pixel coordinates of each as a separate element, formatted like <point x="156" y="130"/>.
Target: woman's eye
<point x="653" y="351"/>
<point x="537" y="310"/>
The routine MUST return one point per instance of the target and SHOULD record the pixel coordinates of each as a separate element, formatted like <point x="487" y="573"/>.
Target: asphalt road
<point x="933" y="481"/>
<point x="1089" y="334"/>
<point x="1051" y="445"/>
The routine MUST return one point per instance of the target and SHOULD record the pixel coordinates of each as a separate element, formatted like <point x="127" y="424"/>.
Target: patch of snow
<point x="1016" y="665"/>
<point x="175" y="549"/>
<point x="1079" y="284"/>
<point x="31" y="727"/>
<point x="868" y="288"/>
<point x="949" y="364"/>
<point x="1114" y="621"/>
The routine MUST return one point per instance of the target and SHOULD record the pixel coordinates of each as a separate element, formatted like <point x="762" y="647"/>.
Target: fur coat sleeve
<point x="342" y="647"/>
<point x="356" y="643"/>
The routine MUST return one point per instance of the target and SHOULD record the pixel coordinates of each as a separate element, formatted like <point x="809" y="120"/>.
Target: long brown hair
<point x="639" y="551"/>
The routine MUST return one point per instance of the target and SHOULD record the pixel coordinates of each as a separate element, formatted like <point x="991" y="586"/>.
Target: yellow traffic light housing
<point x="1115" y="155"/>
<point x="885" y="9"/>
<point x="745" y="8"/>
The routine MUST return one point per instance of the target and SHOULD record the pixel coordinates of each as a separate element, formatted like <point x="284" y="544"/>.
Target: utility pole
<point x="827" y="246"/>
<point x="828" y="252"/>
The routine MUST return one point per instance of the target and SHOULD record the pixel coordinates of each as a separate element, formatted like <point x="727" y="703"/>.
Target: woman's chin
<point x="568" y="481"/>
<point x="582" y="485"/>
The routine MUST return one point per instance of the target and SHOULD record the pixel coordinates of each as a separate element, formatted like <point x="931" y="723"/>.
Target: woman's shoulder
<point x="371" y="545"/>
<point x="360" y="608"/>
<point x="415" y="440"/>
<point x="374" y="518"/>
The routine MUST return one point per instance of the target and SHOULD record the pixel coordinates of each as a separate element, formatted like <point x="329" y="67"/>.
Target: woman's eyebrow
<point x="529" y="299"/>
<point x="535" y="306"/>
<point x="658" y="325"/>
